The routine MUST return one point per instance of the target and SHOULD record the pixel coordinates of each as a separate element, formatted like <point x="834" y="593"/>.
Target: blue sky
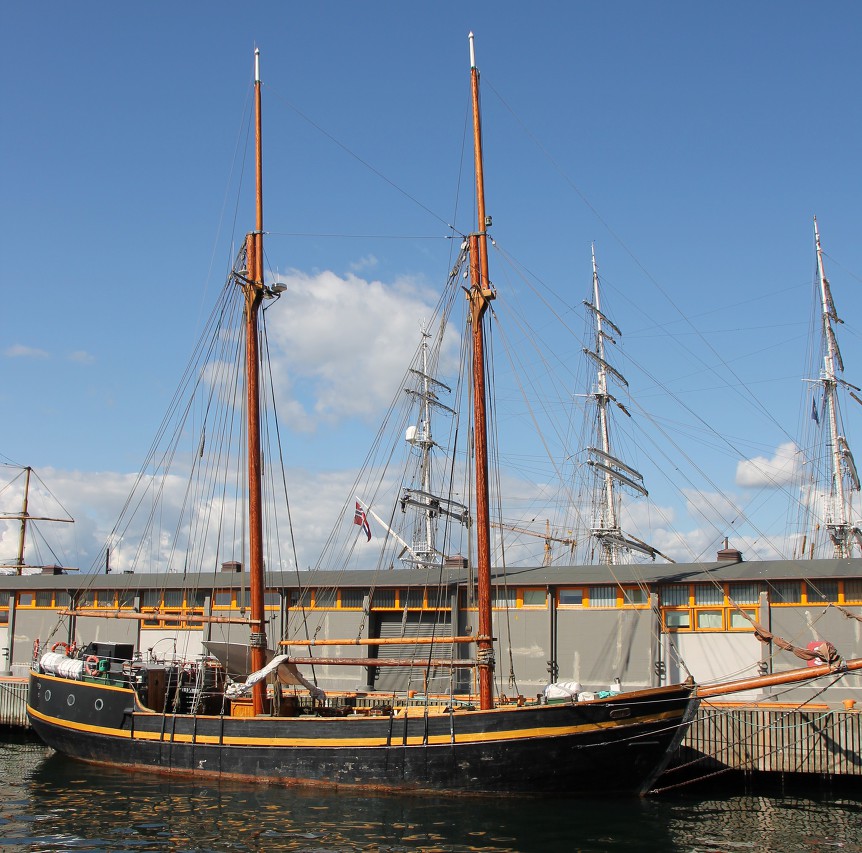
<point x="692" y="142"/>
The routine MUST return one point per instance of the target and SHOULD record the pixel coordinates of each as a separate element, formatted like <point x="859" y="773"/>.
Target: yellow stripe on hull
<point x="359" y="742"/>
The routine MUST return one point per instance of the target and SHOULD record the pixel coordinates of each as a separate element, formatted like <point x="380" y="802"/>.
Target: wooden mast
<point x="254" y="292"/>
<point x="22" y="535"/>
<point x="480" y="294"/>
<point x="24" y="516"/>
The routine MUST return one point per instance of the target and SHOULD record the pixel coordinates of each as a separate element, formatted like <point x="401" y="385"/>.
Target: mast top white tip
<point x="472" y="50"/>
<point x="257" y="65"/>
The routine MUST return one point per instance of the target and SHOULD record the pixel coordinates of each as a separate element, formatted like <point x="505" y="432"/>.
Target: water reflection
<point x="52" y="804"/>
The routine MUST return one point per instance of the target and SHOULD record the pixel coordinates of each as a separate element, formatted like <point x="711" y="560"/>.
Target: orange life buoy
<point x="61" y="645"/>
<point x="91" y="665"/>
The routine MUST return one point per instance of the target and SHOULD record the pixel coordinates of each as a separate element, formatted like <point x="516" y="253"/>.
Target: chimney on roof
<point x="231" y="566"/>
<point x="455" y="562"/>
<point x="728" y="554"/>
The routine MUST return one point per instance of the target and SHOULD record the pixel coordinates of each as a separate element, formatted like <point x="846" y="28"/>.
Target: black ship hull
<point x="613" y="746"/>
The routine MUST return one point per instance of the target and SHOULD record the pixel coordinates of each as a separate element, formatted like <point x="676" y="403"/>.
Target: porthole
<point x="98" y="704"/>
<point x="47" y="695"/>
<point x="70" y="699"/>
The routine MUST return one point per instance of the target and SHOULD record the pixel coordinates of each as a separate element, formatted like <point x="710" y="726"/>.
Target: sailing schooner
<point x="99" y="707"/>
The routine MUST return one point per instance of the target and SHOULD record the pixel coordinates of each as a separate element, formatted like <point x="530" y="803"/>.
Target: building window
<point x="353" y="599"/>
<point x="674" y="596"/>
<point x="710" y="620"/>
<point x="384" y="599"/>
<point x="126" y="599"/>
<point x="570" y="597"/>
<point x="300" y="600"/>
<point x="635" y="596"/>
<point x="151" y="599"/>
<point x="503" y="597"/>
<point x="222" y="598"/>
<point x="707" y="593"/>
<point x="196" y="598"/>
<point x="853" y="590"/>
<point x="45" y="598"/>
<point x="785" y="592"/>
<point x="822" y="592"/>
<point x="603" y="596"/>
<point x="677" y="620"/>
<point x="744" y="593"/>
<point x="534" y="598"/>
<point x="173" y="599"/>
<point x="414" y="599"/>
<point x="86" y="598"/>
<point x="739" y="622"/>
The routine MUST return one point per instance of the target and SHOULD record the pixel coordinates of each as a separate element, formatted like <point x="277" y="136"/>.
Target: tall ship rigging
<point x="830" y="496"/>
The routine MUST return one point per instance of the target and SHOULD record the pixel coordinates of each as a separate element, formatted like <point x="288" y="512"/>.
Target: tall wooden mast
<point x="480" y="294"/>
<point x="253" y="289"/>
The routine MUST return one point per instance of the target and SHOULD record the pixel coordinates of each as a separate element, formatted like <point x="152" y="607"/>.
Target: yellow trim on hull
<point x="91" y="685"/>
<point x="435" y="740"/>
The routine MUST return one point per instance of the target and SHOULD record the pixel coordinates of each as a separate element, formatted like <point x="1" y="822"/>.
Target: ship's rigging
<point x="829" y="500"/>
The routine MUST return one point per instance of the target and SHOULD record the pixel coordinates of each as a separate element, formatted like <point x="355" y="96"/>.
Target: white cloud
<point x="22" y="351"/>
<point x="761" y="472"/>
<point x="715" y="508"/>
<point x="81" y="357"/>
<point x="367" y="263"/>
<point x="94" y="500"/>
<point x="342" y="343"/>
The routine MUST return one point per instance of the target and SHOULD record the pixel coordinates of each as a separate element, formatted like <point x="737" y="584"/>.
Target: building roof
<point x="639" y="573"/>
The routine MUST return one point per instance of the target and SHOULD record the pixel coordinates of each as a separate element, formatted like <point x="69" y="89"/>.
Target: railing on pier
<point x="13" y="702"/>
<point x="815" y="740"/>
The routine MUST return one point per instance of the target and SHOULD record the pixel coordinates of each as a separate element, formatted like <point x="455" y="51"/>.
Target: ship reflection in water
<point x="53" y="804"/>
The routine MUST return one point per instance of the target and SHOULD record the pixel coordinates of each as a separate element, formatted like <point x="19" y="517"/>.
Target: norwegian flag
<point x="360" y="518"/>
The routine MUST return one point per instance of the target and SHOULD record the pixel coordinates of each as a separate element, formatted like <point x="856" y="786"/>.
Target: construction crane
<point x="546" y="536"/>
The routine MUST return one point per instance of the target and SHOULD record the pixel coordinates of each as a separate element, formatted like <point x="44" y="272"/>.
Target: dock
<point x="815" y="740"/>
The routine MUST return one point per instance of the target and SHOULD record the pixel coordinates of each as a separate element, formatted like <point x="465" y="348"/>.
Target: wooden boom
<point x="380" y="641"/>
<point x="791" y="676"/>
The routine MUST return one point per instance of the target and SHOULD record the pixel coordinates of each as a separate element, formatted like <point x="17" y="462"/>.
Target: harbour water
<point x="49" y="803"/>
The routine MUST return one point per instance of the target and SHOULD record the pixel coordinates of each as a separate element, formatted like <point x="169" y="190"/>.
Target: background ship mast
<point x="612" y="472"/>
<point x="843" y="476"/>
<point x="423" y="550"/>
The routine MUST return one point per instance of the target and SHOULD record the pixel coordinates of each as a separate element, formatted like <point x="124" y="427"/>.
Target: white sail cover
<point x="563" y="690"/>
<point x="286" y="672"/>
<point x="57" y="664"/>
